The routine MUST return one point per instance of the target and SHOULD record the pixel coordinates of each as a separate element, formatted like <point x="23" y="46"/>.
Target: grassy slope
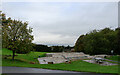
<point x="30" y="57"/>
<point x="6" y="51"/>
<point x="24" y="57"/>
<point x="74" y="66"/>
<point x="115" y="58"/>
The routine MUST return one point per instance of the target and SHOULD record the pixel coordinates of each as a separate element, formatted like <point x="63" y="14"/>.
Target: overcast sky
<point x="61" y="23"/>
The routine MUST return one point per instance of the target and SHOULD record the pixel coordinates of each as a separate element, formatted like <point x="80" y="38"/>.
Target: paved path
<point x="31" y="70"/>
<point x="37" y="71"/>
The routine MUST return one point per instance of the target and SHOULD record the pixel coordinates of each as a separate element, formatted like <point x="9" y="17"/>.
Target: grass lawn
<point x="6" y="51"/>
<point x="31" y="57"/>
<point x="22" y="60"/>
<point x="115" y="58"/>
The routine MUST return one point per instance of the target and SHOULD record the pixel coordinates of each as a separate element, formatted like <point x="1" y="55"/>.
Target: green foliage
<point x="117" y="42"/>
<point x="16" y="35"/>
<point x="45" y="48"/>
<point x="79" y="46"/>
<point x="42" y="48"/>
<point x="57" y="48"/>
<point x="98" y="42"/>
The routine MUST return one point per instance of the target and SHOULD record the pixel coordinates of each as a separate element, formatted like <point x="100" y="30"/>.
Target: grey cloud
<point x="63" y="23"/>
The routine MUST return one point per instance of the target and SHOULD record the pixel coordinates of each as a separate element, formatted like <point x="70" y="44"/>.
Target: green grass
<point x="74" y="66"/>
<point x="30" y="57"/>
<point x="112" y="62"/>
<point x="6" y="51"/>
<point x="24" y="57"/>
<point x="22" y="60"/>
<point x="115" y="58"/>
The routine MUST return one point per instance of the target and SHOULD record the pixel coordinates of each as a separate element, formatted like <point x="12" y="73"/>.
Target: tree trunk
<point x="13" y="55"/>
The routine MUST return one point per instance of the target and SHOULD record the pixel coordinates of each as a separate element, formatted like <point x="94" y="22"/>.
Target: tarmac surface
<point x="37" y="71"/>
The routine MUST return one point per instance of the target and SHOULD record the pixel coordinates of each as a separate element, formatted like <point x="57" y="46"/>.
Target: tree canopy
<point x="16" y="35"/>
<point x="98" y="42"/>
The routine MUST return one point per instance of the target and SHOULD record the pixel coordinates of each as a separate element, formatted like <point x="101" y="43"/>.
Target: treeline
<point x="41" y="48"/>
<point x="99" y="42"/>
<point x="45" y="48"/>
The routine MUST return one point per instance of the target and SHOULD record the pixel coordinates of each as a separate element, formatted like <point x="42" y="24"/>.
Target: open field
<point x="22" y="60"/>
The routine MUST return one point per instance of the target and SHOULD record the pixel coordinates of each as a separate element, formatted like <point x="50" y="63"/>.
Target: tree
<point x="57" y="48"/>
<point x="99" y="42"/>
<point x="117" y="41"/>
<point x="79" y="45"/>
<point x="42" y="48"/>
<point x="0" y="30"/>
<point x="16" y="35"/>
<point x="118" y="38"/>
